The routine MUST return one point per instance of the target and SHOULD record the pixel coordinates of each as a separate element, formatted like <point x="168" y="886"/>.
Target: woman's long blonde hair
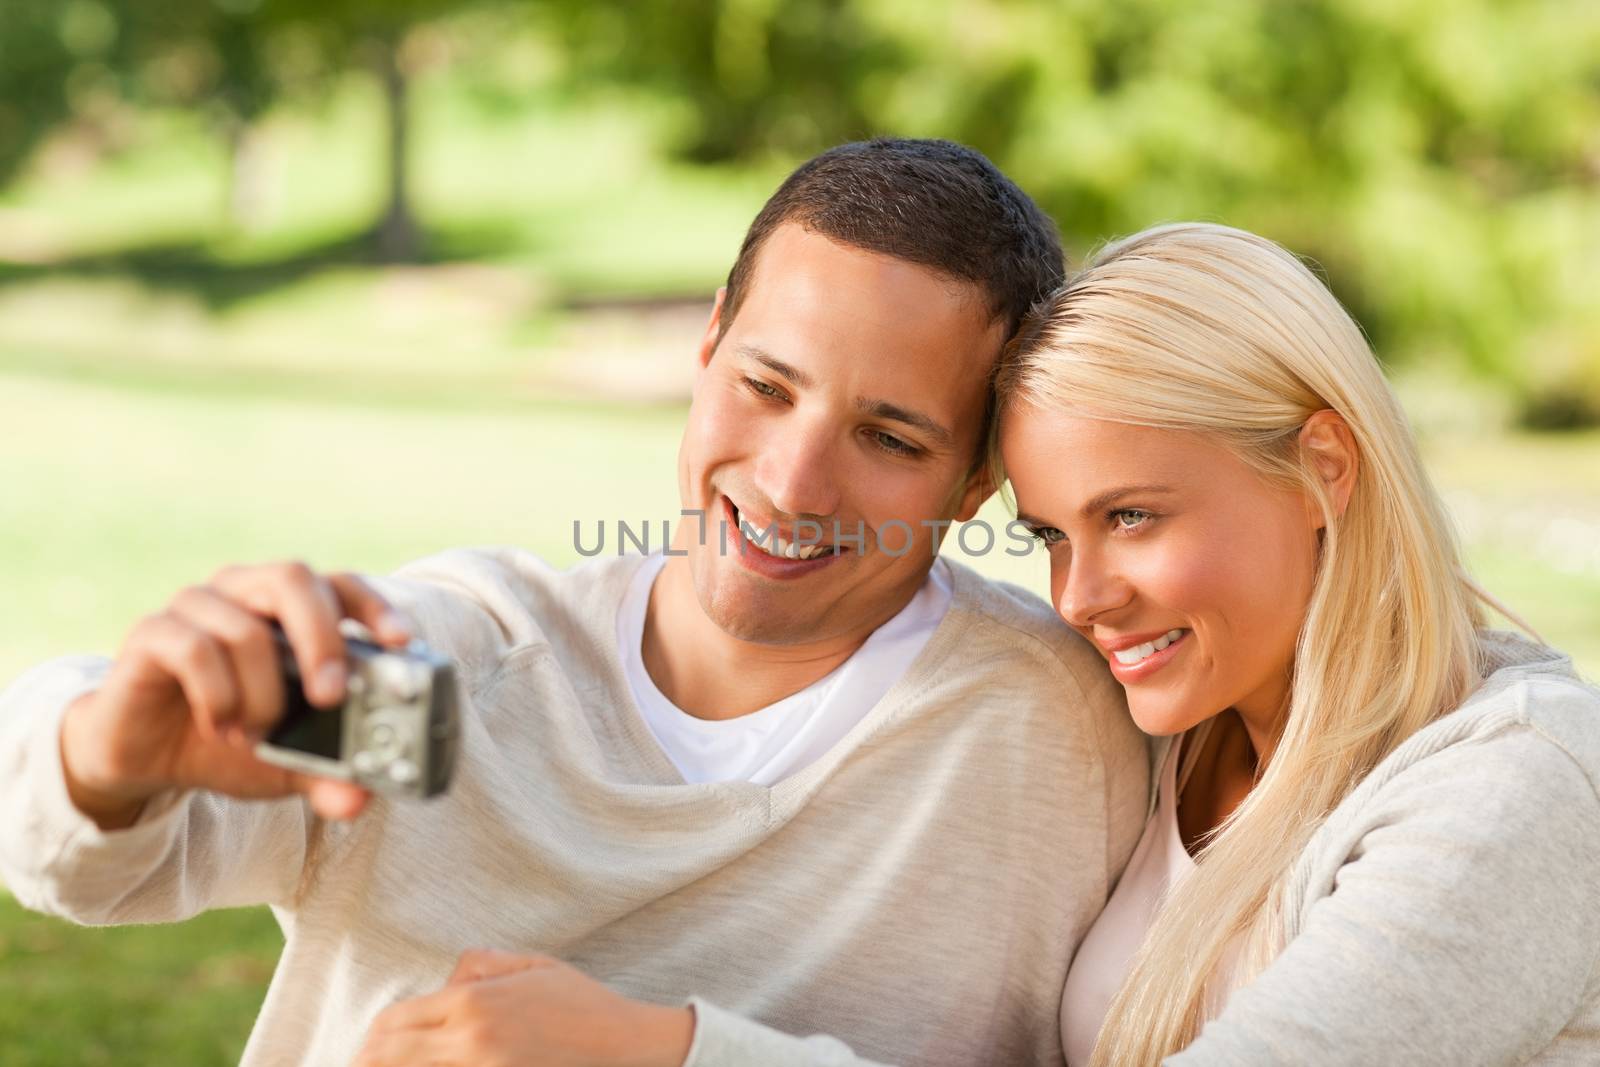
<point x="1204" y="328"/>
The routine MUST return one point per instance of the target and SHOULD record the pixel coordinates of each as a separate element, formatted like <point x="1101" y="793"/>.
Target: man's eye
<point x="890" y="443"/>
<point x="1130" y="518"/>
<point x="761" y="388"/>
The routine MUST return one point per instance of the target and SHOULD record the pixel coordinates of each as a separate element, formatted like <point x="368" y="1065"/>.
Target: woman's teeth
<point x="1129" y="656"/>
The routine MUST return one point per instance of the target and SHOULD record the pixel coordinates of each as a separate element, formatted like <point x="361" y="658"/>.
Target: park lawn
<point x="182" y="995"/>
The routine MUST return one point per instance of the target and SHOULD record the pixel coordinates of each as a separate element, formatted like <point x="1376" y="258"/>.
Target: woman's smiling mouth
<point x="1133" y="660"/>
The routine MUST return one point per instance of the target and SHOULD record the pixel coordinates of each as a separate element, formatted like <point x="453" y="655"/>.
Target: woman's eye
<point x="1130" y="518"/>
<point x="1047" y="535"/>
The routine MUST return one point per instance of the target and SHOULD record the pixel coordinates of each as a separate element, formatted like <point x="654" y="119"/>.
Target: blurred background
<point x="355" y="280"/>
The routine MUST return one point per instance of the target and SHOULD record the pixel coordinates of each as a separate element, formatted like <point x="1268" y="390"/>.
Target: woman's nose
<point x="1086" y="588"/>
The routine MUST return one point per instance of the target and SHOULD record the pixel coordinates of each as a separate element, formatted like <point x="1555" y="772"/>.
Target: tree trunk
<point x="398" y="238"/>
<point x="248" y="181"/>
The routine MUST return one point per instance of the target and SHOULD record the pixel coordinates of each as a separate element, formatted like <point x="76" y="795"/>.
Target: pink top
<point x="1107" y="951"/>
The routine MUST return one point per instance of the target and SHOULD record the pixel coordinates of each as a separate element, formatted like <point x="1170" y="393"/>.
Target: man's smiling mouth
<point x="769" y="542"/>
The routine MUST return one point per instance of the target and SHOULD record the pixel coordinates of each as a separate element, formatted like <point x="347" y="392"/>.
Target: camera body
<point x="396" y="732"/>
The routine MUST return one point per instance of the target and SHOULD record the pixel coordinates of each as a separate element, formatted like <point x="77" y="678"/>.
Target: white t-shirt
<point x="768" y="745"/>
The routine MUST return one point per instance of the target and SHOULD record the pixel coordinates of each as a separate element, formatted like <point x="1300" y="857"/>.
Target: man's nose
<point x="1087" y="587"/>
<point x="797" y="470"/>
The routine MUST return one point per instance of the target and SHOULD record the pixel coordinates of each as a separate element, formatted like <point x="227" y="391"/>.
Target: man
<point x="796" y="768"/>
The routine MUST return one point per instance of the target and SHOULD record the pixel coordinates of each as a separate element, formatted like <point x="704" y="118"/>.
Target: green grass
<point x="116" y="498"/>
<point x="187" y="994"/>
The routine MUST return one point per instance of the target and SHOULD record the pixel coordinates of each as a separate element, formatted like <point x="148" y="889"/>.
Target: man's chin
<point x="747" y="609"/>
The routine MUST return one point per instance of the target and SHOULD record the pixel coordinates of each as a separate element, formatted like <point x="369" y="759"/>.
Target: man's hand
<point x="194" y="685"/>
<point x="501" y="1009"/>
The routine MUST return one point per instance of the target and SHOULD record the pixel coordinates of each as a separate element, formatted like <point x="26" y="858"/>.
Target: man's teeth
<point x="773" y="545"/>
<point x="777" y="546"/>
<point x="1129" y="656"/>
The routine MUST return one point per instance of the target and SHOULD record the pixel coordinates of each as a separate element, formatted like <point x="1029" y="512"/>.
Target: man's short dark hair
<point x="934" y="203"/>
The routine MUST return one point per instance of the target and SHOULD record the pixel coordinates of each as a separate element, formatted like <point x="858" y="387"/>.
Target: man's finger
<point x="359" y="601"/>
<point x="330" y="798"/>
<point x="417" y="1013"/>
<point x="307" y="609"/>
<point x="480" y="963"/>
<point x="248" y="643"/>
<point x="401" y="1048"/>
<point x="197" y="663"/>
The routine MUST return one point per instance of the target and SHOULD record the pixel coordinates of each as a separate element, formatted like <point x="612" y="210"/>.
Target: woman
<point x="1377" y="835"/>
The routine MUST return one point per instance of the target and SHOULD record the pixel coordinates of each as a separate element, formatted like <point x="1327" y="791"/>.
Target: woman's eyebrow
<point x="1100" y="502"/>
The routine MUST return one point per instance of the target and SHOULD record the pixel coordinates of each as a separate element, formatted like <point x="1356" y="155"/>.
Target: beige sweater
<point x="917" y="893"/>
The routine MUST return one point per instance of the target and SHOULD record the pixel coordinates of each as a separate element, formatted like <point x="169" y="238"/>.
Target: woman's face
<point x="1188" y="572"/>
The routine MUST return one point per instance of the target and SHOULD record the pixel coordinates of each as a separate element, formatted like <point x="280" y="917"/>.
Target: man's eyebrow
<point x="795" y="376"/>
<point x="915" y="419"/>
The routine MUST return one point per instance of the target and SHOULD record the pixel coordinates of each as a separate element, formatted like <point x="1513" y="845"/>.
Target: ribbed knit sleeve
<point x="1454" y="920"/>
<point x="187" y="852"/>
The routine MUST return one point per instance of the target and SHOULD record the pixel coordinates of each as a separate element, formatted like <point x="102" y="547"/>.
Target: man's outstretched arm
<point x="122" y="781"/>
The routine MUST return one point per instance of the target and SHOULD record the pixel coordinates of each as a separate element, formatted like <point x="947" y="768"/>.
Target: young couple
<point x="865" y="793"/>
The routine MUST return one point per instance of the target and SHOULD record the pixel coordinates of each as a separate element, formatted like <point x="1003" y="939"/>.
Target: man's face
<point x="848" y="392"/>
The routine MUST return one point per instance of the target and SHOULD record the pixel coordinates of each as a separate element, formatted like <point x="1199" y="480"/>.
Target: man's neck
<point x="712" y="675"/>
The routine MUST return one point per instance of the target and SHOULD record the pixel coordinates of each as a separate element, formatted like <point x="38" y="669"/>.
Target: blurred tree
<point x="232" y="58"/>
<point x="1440" y="158"/>
<point x="758" y="76"/>
<point x="55" y="60"/>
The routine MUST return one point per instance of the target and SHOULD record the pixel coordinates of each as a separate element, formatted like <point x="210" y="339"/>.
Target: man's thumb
<point x="479" y="963"/>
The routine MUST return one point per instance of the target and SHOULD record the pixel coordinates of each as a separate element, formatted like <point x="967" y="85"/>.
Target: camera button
<point x="403" y="772"/>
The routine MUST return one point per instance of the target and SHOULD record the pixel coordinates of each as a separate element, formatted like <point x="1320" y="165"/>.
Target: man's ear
<point x="708" y="340"/>
<point x="980" y="486"/>
<point x="1331" y="448"/>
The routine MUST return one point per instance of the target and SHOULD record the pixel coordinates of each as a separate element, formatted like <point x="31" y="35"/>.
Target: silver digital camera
<point x="396" y="731"/>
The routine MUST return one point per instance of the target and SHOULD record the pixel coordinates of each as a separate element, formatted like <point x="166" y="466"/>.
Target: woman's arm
<point x="1461" y="928"/>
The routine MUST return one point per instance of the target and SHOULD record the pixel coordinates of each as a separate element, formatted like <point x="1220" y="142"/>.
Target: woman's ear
<point x="1331" y="447"/>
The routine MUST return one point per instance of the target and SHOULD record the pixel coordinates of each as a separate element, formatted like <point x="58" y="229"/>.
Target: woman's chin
<point x="1159" y="719"/>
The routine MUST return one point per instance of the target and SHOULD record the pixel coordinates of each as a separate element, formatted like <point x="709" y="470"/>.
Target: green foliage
<point x="231" y="59"/>
<point x="1437" y="157"/>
